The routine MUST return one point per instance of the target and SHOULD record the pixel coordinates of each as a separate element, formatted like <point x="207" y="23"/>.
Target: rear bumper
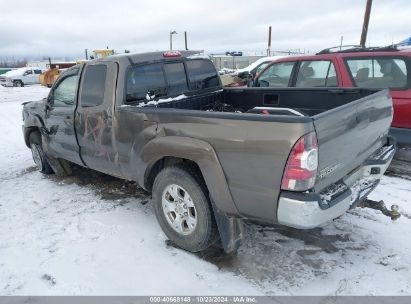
<point x="310" y="210"/>
<point x="306" y="214"/>
<point x="402" y="135"/>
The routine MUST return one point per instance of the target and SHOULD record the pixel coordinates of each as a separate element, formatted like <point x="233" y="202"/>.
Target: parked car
<point x="239" y="78"/>
<point x="20" y="77"/>
<point x="213" y="156"/>
<point x="375" y="68"/>
<point x="256" y="67"/>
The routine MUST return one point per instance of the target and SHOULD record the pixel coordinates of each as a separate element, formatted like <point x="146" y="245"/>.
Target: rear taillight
<point x="301" y="168"/>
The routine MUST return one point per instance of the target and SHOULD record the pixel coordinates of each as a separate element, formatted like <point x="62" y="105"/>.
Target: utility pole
<point x="341" y="42"/>
<point x="171" y="39"/>
<point x="185" y="40"/>
<point x="365" y="24"/>
<point x="269" y="41"/>
<point x="86" y="53"/>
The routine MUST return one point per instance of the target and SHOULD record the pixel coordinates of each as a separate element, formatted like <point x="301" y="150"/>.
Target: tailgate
<point x="349" y="134"/>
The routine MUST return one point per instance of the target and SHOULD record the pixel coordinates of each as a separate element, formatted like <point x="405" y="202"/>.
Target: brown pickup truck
<point x="211" y="156"/>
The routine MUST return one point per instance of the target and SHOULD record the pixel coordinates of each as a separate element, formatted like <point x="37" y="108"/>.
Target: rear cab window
<point x="176" y="78"/>
<point x="143" y="80"/>
<point x="169" y="79"/>
<point x="201" y="74"/>
<point x="378" y="72"/>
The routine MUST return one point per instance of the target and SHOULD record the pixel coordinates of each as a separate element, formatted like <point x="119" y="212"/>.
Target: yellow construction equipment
<point x="102" y="53"/>
<point x="48" y="77"/>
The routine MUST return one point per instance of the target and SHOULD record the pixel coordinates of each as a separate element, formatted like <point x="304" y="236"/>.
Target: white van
<point x="21" y="77"/>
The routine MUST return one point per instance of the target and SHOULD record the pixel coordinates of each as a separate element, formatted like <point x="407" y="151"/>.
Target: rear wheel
<point x="18" y="83"/>
<point x="38" y="154"/>
<point x="183" y="210"/>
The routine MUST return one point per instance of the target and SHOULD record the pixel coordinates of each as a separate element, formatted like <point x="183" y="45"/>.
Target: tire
<point x="38" y="154"/>
<point x="192" y="227"/>
<point x="18" y="83"/>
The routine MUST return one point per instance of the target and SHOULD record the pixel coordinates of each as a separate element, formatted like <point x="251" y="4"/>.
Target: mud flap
<point x="60" y="167"/>
<point x="231" y="230"/>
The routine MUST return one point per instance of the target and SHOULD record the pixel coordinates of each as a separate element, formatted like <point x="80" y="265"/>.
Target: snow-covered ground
<point x="92" y="234"/>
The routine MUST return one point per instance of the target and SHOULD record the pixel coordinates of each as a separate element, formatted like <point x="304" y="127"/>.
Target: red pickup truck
<point x="373" y="68"/>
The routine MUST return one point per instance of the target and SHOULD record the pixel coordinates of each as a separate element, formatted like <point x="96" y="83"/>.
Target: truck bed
<point x="351" y="124"/>
<point x="309" y="102"/>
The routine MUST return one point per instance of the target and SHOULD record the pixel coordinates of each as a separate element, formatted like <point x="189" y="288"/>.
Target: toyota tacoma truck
<point x="213" y="157"/>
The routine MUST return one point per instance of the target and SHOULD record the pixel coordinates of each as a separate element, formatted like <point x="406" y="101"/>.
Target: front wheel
<point x="38" y="154"/>
<point x="18" y="83"/>
<point x="183" y="210"/>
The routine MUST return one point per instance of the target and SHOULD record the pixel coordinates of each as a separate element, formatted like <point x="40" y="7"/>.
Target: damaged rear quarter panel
<point x="241" y="165"/>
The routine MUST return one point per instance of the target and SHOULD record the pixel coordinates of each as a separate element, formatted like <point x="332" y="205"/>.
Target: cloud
<point x="66" y="28"/>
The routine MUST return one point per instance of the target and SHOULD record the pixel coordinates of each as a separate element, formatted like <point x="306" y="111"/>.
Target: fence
<point x="233" y="62"/>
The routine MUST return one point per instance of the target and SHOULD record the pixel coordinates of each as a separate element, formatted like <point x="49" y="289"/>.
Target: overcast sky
<point x="66" y="27"/>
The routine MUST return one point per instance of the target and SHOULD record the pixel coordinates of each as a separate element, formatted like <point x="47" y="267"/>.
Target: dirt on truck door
<point x="94" y="117"/>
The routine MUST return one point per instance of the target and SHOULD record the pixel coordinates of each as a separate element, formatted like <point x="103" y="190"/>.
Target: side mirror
<point x="250" y="82"/>
<point x="150" y="95"/>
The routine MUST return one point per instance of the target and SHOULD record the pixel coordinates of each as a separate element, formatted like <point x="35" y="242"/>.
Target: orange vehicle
<point x="48" y="77"/>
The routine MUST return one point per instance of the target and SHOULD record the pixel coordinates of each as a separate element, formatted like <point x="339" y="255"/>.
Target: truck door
<point x="94" y="117"/>
<point x="28" y="77"/>
<point x="36" y="78"/>
<point x="59" y="136"/>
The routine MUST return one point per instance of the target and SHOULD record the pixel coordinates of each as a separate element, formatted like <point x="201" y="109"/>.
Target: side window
<point x="65" y="92"/>
<point x="277" y="75"/>
<point x="261" y="67"/>
<point x="28" y="72"/>
<point x="378" y="72"/>
<point x="143" y="80"/>
<point x="93" y="86"/>
<point x="319" y="73"/>
<point x="176" y="78"/>
<point x="37" y="71"/>
<point x="202" y="74"/>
